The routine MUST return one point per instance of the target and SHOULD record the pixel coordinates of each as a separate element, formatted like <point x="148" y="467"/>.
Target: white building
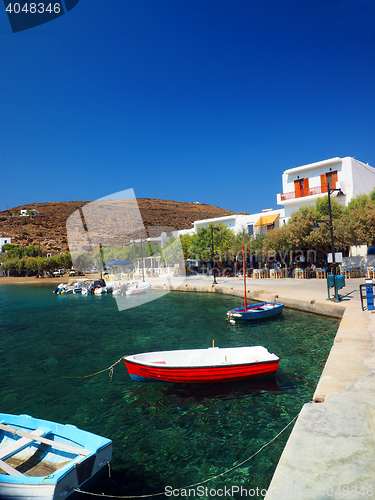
<point x="25" y="210"/>
<point x="254" y="224"/>
<point x="4" y="241"/>
<point x="302" y="186"/>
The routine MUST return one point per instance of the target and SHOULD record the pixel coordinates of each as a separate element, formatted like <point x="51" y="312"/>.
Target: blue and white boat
<point x="42" y="460"/>
<point x="255" y="312"/>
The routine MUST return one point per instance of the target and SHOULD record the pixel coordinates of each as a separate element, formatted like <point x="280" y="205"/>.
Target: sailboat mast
<point x="143" y="267"/>
<point x="244" y="275"/>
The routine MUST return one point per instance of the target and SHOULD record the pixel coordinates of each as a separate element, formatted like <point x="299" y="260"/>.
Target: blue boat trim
<point x="65" y="433"/>
<point x="255" y="312"/>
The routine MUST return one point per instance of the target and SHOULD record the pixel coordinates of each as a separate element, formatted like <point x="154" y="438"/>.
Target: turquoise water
<point x="163" y="434"/>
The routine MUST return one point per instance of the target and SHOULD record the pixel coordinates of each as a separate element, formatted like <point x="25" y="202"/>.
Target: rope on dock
<point x="102" y="495"/>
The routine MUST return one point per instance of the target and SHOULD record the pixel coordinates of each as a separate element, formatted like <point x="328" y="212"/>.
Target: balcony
<point x="304" y="192"/>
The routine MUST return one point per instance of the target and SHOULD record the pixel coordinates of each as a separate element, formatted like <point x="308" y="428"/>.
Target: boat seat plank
<point x="10" y="470"/>
<point x="12" y="448"/>
<point x="55" y="444"/>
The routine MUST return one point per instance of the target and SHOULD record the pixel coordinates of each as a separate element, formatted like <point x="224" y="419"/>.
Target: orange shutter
<point x="323" y="183"/>
<point x="306" y="186"/>
<point x="297" y="189"/>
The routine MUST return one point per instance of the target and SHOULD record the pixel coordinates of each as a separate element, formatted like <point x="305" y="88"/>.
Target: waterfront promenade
<point x="331" y="450"/>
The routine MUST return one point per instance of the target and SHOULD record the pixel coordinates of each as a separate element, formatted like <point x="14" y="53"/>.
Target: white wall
<point x="3" y="241"/>
<point x="236" y="222"/>
<point x="313" y="171"/>
<point x="363" y="178"/>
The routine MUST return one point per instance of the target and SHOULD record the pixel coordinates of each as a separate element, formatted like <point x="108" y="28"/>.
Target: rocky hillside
<point x="48" y="229"/>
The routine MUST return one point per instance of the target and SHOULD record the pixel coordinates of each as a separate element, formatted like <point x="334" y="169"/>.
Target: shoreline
<point x="32" y="280"/>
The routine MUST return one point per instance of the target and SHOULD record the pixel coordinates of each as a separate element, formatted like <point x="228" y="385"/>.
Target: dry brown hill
<point x="48" y="229"/>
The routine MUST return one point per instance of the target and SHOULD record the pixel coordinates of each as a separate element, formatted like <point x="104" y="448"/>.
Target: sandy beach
<point x="12" y="280"/>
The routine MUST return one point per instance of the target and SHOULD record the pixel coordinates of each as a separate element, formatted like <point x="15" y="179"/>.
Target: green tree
<point x="201" y="243"/>
<point x="12" y="251"/>
<point x="173" y="253"/>
<point x="83" y="261"/>
<point x="64" y="260"/>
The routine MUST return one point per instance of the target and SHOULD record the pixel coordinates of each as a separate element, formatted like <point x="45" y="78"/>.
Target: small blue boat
<point x="255" y="312"/>
<point x="44" y="460"/>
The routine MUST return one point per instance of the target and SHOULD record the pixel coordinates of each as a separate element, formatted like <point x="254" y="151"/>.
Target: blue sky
<point x="184" y="100"/>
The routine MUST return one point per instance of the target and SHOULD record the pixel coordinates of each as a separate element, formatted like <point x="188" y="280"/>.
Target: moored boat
<point x="44" y="460"/>
<point x="202" y="365"/>
<point x="255" y="312"/>
<point x="136" y="288"/>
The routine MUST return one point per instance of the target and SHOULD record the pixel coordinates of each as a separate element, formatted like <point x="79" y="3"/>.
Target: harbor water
<point x="54" y="355"/>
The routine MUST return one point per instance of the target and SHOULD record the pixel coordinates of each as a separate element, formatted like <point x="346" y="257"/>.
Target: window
<point x="330" y="178"/>
<point x="251" y="229"/>
<point x="301" y="187"/>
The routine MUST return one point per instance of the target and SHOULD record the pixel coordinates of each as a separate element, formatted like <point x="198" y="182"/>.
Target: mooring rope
<point x="110" y="369"/>
<point x="102" y="495"/>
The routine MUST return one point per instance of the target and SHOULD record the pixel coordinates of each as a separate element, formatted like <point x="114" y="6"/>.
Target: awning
<point x="266" y="220"/>
<point x="118" y="263"/>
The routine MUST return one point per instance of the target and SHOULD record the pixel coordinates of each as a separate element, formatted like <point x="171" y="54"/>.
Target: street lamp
<point x="329" y="222"/>
<point x="213" y="251"/>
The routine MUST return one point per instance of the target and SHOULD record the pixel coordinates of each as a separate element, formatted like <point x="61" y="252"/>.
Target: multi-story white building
<point x="302" y="186"/>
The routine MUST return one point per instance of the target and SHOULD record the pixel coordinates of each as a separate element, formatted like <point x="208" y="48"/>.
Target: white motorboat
<point x="137" y="288"/>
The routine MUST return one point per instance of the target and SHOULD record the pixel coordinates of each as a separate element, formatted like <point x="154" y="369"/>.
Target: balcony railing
<point x="304" y="192"/>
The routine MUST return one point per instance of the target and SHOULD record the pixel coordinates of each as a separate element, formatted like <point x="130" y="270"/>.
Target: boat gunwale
<point x="256" y="308"/>
<point x="67" y="432"/>
<point x="193" y="367"/>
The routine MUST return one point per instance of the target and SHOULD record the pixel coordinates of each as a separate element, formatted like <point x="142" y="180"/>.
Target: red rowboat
<point x="202" y="365"/>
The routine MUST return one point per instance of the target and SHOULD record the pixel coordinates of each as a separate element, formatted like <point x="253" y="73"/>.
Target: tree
<point x="12" y="251"/>
<point x="31" y="251"/>
<point x="83" y="261"/>
<point x="173" y="253"/>
<point x="201" y="243"/>
<point x="64" y="260"/>
<point x="360" y="221"/>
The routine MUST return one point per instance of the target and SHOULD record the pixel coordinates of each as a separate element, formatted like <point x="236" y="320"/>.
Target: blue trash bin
<point x="340" y="280"/>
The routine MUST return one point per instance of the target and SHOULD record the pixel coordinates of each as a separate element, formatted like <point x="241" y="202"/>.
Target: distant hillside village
<point x="303" y="188"/>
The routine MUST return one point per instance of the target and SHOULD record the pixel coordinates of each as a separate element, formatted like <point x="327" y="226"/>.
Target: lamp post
<point x="329" y="222"/>
<point x="213" y="252"/>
